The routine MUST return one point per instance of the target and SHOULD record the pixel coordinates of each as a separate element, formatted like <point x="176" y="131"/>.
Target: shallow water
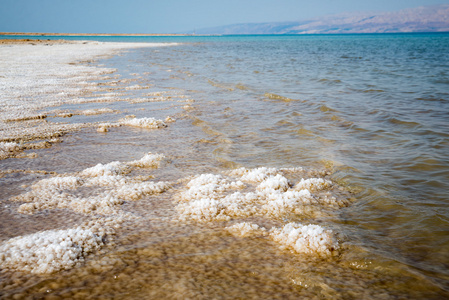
<point x="368" y="112"/>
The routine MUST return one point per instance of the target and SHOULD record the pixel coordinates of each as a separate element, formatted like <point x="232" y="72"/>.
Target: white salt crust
<point x="48" y="251"/>
<point x="8" y="148"/>
<point x="150" y="123"/>
<point x="150" y="160"/>
<point x="301" y="239"/>
<point x="110" y="169"/>
<point x="91" y="112"/>
<point x="56" y="250"/>
<point x="210" y="197"/>
<point x="111" y="185"/>
<point x="245" y="229"/>
<point x="263" y="192"/>
<point x="305" y="239"/>
<point x="33" y="77"/>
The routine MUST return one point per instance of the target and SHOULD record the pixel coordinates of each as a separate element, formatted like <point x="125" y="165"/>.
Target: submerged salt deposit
<point x="262" y="192"/>
<point x="150" y="123"/>
<point x="48" y="251"/>
<point x="107" y="184"/>
<point x="301" y="239"/>
<point x="307" y="239"/>
<point x="51" y="251"/>
<point x="265" y="193"/>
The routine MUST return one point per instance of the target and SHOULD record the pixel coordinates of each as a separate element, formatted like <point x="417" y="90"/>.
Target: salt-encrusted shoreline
<point x="34" y="76"/>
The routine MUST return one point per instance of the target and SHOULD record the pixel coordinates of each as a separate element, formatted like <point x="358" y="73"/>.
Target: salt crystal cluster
<point x="67" y="182"/>
<point x="109" y="181"/>
<point x="301" y="239"/>
<point x="8" y="148"/>
<point x="305" y="239"/>
<point x="150" y="160"/>
<point x="263" y="193"/>
<point x="48" y="251"/>
<point x="150" y="123"/>
<point x="313" y="184"/>
<point x="91" y="112"/>
<point x="55" y="250"/>
<point x="210" y="197"/>
<point x="245" y="229"/>
<point x="253" y="175"/>
<point x="110" y="169"/>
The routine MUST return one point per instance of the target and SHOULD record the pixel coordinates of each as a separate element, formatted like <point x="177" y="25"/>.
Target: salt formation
<point x="91" y="112"/>
<point x="302" y="239"/>
<point x="68" y="182"/>
<point x="36" y="77"/>
<point x="313" y="184"/>
<point x="148" y="161"/>
<point x="150" y="123"/>
<point x="210" y="197"/>
<point x="264" y="193"/>
<point x="110" y="169"/>
<point x="136" y="191"/>
<point x="254" y="175"/>
<point x="273" y="183"/>
<point x="245" y="229"/>
<point x="48" y="251"/>
<point x="6" y="149"/>
<point x="109" y="182"/>
<point x="305" y="239"/>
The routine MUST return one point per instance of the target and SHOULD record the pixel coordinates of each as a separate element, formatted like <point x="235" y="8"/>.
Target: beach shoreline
<point x="35" y="41"/>
<point x="38" y="74"/>
<point x="89" y="34"/>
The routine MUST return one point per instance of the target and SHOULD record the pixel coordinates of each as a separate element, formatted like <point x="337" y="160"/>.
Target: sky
<point x="172" y="16"/>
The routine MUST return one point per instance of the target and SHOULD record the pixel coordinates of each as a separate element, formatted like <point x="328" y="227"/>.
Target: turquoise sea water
<point x="372" y="109"/>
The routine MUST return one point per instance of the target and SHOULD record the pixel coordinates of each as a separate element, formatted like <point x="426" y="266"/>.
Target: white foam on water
<point x="107" y="181"/>
<point x="50" y="251"/>
<point x="305" y="239"/>
<point x="208" y="185"/>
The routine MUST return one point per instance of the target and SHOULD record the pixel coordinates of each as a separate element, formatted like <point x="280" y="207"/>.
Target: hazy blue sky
<point x="171" y="16"/>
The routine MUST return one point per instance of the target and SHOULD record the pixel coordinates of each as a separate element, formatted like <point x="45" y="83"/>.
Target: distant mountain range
<point x="420" y="19"/>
